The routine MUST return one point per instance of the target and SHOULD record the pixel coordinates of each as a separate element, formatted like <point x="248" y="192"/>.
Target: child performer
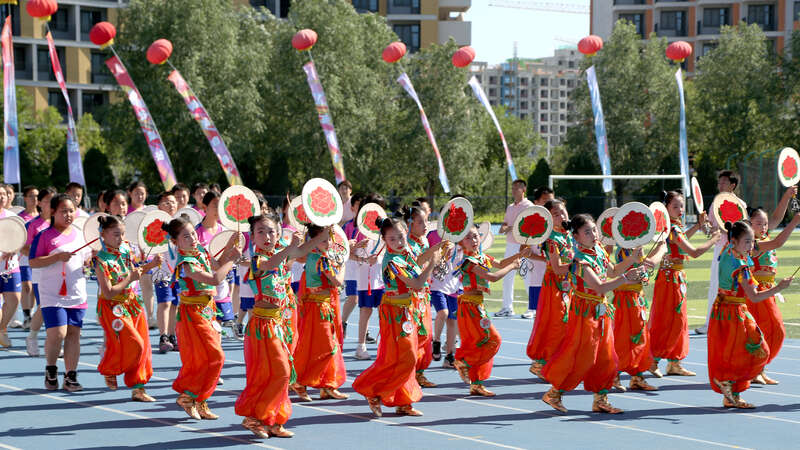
<point x="34" y="227"/>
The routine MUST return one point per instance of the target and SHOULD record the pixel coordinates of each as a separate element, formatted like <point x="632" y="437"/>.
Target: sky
<point x="494" y="30"/>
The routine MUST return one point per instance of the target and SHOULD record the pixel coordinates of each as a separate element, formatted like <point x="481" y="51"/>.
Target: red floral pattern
<point x="605" y="227"/>
<point x="321" y="202"/>
<point x="300" y="214"/>
<point x="238" y="208"/>
<point x="532" y="226"/>
<point x="153" y="234"/>
<point x="661" y="220"/>
<point x="455" y="220"/>
<point x="634" y="225"/>
<point x="369" y="220"/>
<point x="730" y="211"/>
<point x="789" y="168"/>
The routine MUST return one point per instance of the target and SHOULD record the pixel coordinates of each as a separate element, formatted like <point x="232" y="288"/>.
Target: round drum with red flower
<point x="698" y="195"/>
<point x="151" y="237"/>
<point x="788" y="164"/>
<point x="455" y="219"/>
<point x="321" y="202"/>
<point x="366" y="220"/>
<point x="487" y="238"/>
<point x="633" y="225"/>
<point x="727" y="207"/>
<point x="662" y="220"/>
<point x="297" y="215"/>
<point x="339" y="245"/>
<point x="91" y="231"/>
<point x="236" y="205"/>
<point x="532" y="226"/>
<point x="604" y="226"/>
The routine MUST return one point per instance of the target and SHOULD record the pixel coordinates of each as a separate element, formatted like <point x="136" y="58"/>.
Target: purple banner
<point x="325" y="120"/>
<point x="10" y="137"/>
<point x="73" y="149"/>
<point x="149" y="129"/>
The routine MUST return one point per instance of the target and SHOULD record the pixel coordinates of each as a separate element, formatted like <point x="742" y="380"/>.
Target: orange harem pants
<point x="127" y="351"/>
<point x="392" y="377"/>
<point x="318" y="357"/>
<point x="669" y="320"/>
<point x="269" y="371"/>
<point x="478" y="344"/>
<point x="424" y="320"/>
<point x="737" y="350"/>
<point x="200" y="348"/>
<point x="587" y="351"/>
<point x="290" y="322"/>
<point x="631" y="337"/>
<point x="769" y="319"/>
<point x="550" y="323"/>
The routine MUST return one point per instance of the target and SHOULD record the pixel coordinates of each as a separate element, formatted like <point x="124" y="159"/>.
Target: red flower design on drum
<point x="455" y="220"/>
<point x="634" y="225"/>
<point x="321" y="202"/>
<point x="661" y="220"/>
<point x="697" y="193"/>
<point x="730" y="211"/>
<point x="605" y="227"/>
<point x="533" y="226"/>
<point x="153" y="234"/>
<point x="300" y="214"/>
<point x="789" y="168"/>
<point x="369" y="220"/>
<point x="238" y="208"/>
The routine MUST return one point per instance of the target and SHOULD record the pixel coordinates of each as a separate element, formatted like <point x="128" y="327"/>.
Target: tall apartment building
<point x="88" y="82"/>
<point x="697" y="22"/>
<point x="418" y="23"/>
<point x="537" y="90"/>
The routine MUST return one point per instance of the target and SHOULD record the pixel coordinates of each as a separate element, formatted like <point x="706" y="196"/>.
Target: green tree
<point x="540" y="176"/>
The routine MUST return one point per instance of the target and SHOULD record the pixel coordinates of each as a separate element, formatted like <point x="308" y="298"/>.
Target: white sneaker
<point x="530" y="314"/>
<point x="701" y="330"/>
<point x="32" y="345"/>
<point x="504" y="312"/>
<point x="15" y="324"/>
<point x="220" y="381"/>
<point x="362" y="353"/>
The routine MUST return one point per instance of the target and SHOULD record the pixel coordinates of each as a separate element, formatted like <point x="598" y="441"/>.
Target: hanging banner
<point x="599" y="127"/>
<point x="149" y="130"/>
<point x="478" y="90"/>
<point x="199" y="114"/>
<point x="682" y="143"/>
<point x="325" y="120"/>
<point x="73" y="149"/>
<point x="10" y="140"/>
<point x="406" y="83"/>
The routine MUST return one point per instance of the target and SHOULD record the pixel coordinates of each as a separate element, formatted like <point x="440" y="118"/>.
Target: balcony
<point x="459" y="31"/>
<point x="447" y="7"/>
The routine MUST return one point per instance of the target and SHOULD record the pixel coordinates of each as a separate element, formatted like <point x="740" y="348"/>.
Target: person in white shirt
<point x="345" y="189"/>
<point x="537" y="268"/>
<point x="512" y="246"/>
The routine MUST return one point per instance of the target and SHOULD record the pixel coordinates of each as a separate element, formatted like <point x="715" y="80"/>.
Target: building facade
<point x="697" y="22"/>
<point x="537" y="90"/>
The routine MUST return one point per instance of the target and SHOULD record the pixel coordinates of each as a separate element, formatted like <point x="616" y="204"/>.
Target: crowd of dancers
<point x="279" y="289"/>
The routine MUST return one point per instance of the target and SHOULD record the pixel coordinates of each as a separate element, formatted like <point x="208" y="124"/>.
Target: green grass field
<point x="697" y="272"/>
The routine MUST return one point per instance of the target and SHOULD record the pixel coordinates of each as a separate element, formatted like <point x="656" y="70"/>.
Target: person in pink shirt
<point x="30" y="195"/>
<point x="116" y="202"/>
<point x="518" y="188"/>
<point x="59" y="253"/>
<point x="75" y="191"/>
<point x="181" y="193"/>
<point x="199" y="191"/>
<point x="34" y="227"/>
<point x="137" y="195"/>
<point x="10" y="280"/>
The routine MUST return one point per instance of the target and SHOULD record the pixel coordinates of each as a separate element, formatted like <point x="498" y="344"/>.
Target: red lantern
<point x="394" y="52"/>
<point x="678" y="51"/>
<point x="103" y="34"/>
<point x="159" y="51"/>
<point x="590" y="45"/>
<point x="304" y="40"/>
<point x="463" y="56"/>
<point x="42" y="9"/>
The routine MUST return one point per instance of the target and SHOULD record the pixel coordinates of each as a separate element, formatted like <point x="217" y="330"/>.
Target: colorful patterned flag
<point x="682" y="143"/>
<point x="199" y="114"/>
<point x="10" y="137"/>
<point x="406" y="83"/>
<point x="149" y="130"/>
<point x="478" y="90"/>
<point x="73" y="149"/>
<point x="325" y="120"/>
<point x="599" y="127"/>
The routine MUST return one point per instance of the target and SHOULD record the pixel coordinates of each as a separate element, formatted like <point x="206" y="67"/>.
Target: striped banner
<point x="73" y="148"/>
<point x="10" y="136"/>
<point x="682" y="143"/>
<point x="149" y="129"/>
<point x="599" y="127"/>
<point x="478" y="90"/>
<point x="199" y="114"/>
<point x="406" y="83"/>
<point x="325" y="120"/>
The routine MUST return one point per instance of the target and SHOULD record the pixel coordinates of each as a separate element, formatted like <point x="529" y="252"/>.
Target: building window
<point x="673" y="23"/>
<point x="543" y="129"/>
<point x="523" y="81"/>
<point x="363" y="6"/>
<point x="62" y="23"/>
<point x="629" y="2"/>
<point x="570" y="83"/>
<point x="23" y="63"/>
<point x="707" y="47"/>
<point x="479" y="78"/>
<point x="543" y="93"/>
<point x="794" y="14"/>
<point x="493" y="102"/>
<point x="562" y="105"/>
<point x="713" y="18"/>
<point x="89" y="17"/>
<point x="523" y="105"/>
<point x="278" y="8"/>
<point x="562" y="117"/>
<point x="100" y="73"/>
<point x="523" y="116"/>
<point x="409" y="34"/>
<point x="403" y="7"/>
<point x="763" y="15"/>
<point x="91" y="101"/>
<point x="637" y="20"/>
<point x="553" y="117"/>
<point x="562" y="82"/>
<point x="15" y="15"/>
<point x="543" y="82"/>
<point x="56" y="99"/>
<point x="43" y="69"/>
<point x="543" y="117"/>
<point x="523" y="93"/>
<point x="492" y="80"/>
<point x="571" y="64"/>
<point x="492" y="92"/>
<point x="562" y="93"/>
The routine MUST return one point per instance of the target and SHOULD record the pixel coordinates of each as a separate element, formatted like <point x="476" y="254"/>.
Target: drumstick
<point x="85" y="245"/>
<point x="795" y="272"/>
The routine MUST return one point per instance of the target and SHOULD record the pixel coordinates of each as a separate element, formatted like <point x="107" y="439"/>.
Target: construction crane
<point x="568" y="8"/>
